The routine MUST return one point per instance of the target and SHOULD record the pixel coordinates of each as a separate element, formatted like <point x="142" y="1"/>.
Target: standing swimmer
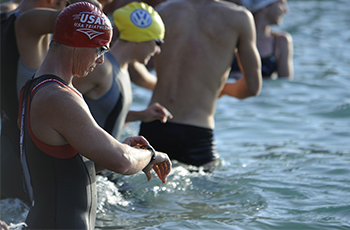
<point x="62" y="145"/>
<point x="192" y="69"/>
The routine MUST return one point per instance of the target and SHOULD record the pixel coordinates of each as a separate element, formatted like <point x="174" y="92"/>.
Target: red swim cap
<point x="82" y="25"/>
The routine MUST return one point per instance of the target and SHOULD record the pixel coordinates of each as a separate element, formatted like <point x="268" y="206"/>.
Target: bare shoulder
<point x="61" y="116"/>
<point x="284" y="40"/>
<point x="58" y="100"/>
<point x="187" y="11"/>
<point x="284" y="37"/>
<point x="177" y="16"/>
<point x="173" y="5"/>
<point x="57" y="112"/>
<point x="167" y="10"/>
<point x="232" y="12"/>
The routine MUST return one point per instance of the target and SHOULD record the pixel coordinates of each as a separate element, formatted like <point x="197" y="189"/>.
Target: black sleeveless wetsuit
<point x="62" y="181"/>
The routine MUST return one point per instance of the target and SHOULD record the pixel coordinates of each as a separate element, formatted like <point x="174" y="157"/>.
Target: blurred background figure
<point x="275" y="47"/>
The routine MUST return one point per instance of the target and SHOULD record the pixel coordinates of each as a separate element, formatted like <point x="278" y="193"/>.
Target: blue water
<point x="285" y="155"/>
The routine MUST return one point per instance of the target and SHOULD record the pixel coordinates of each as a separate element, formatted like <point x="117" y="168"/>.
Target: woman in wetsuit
<point x="275" y="48"/>
<point x="61" y="145"/>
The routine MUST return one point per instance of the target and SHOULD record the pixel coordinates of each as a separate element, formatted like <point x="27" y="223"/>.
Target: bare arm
<point x="250" y="64"/>
<point x="32" y="32"/>
<point x="285" y="60"/>
<point x="37" y="22"/>
<point x="140" y="75"/>
<point x="66" y="118"/>
<point x="153" y="112"/>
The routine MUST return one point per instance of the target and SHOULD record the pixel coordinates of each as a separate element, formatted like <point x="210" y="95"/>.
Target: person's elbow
<point x="254" y="86"/>
<point x="255" y="90"/>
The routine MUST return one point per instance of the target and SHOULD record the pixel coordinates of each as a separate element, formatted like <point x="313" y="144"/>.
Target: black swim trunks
<point x="185" y="143"/>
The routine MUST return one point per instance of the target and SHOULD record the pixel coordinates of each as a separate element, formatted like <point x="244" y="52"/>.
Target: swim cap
<point x="138" y="22"/>
<point x="82" y="25"/>
<point x="255" y="5"/>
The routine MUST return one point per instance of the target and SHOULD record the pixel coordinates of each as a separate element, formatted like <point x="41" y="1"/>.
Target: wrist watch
<point x="149" y="147"/>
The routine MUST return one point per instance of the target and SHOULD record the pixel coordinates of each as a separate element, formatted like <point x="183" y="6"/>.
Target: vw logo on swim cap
<point x="141" y="18"/>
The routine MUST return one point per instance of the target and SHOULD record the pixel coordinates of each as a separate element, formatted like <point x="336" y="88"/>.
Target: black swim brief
<point x="188" y="144"/>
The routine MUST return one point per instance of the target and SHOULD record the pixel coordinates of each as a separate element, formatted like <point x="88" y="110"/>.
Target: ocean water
<point x="285" y="155"/>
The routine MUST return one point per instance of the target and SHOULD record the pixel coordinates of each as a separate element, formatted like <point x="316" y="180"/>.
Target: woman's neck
<point x="122" y="52"/>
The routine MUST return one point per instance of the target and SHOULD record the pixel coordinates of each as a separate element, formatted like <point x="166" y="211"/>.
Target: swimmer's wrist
<point x="153" y="152"/>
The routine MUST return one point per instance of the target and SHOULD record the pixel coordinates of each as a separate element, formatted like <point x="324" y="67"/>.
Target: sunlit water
<point x="285" y="155"/>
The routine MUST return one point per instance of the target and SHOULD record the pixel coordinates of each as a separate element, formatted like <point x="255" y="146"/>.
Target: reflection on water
<point x="285" y="155"/>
